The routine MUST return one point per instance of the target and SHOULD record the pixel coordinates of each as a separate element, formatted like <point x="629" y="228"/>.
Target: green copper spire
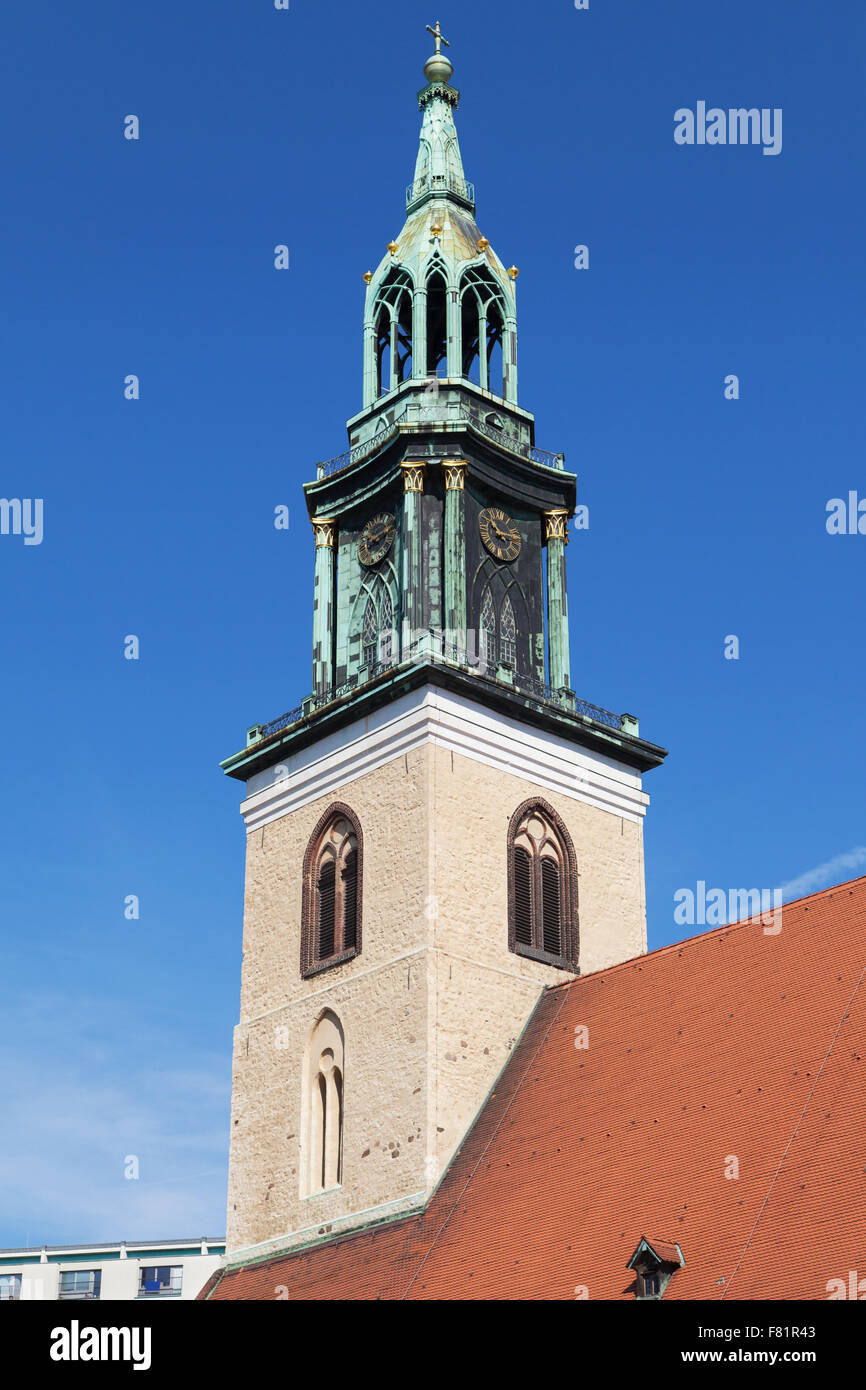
<point x="441" y="303"/>
<point x="439" y="167"/>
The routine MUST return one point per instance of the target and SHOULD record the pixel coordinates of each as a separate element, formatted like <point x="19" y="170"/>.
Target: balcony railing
<point x="429" y="412"/>
<point x="444" y="654"/>
<point x="360" y="451"/>
<point x="434" y="184"/>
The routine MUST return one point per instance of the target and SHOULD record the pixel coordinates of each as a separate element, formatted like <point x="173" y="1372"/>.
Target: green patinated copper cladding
<point x="455" y="546"/>
<point x="557" y="615"/>
<point x="413" y="492"/>
<point x="323" y="608"/>
<point x="441" y="440"/>
<point x="440" y="260"/>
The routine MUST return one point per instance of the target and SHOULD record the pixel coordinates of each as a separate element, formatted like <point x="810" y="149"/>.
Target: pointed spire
<point x="439" y="167"/>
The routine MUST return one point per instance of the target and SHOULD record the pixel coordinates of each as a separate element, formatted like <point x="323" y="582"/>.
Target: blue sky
<point x="707" y="516"/>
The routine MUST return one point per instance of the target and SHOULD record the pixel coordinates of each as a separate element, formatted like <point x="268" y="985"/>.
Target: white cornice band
<point x="431" y="714"/>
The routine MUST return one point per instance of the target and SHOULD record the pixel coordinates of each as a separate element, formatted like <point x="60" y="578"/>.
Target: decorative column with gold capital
<point x="413" y="491"/>
<point x="325" y="535"/>
<point x="556" y="536"/>
<point x="455" y="552"/>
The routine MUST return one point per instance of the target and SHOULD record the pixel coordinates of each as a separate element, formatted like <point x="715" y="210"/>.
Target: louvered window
<point x="542" y="889"/>
<point x="331" y="923"/>
<point x="327" y="904"/>
<point x="523" y="896"/>
<point x="551" y="908"/>
<point x="350" y="899"/>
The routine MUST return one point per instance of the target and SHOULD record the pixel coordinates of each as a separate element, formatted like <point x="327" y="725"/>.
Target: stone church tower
<point x="441" y="829"/>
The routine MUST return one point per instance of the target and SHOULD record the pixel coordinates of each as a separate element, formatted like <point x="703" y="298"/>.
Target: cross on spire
<point x="437" y="34"/>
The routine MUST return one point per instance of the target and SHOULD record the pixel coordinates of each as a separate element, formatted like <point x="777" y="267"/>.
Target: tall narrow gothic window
<point x="393" y="320"/>
<point x="377" y="625"/>
<point x="495" y="365"/>
<point x="542" y="887"/>
<point x="369" y="634"/>
<point x="322" y="1122"/>
<point x="481" y="323"/>
<point x="488" y="629"/>
<point x="437" y="330"/>
<point x="386" y="626"/>
<point x="497" y="641"/>
<point x="331" y="913"/>
<point x="507" y="633"/>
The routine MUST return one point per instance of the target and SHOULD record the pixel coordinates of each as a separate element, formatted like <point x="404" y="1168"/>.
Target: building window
<point x="322" y="1139"/>
<point x="654" y="1262"/>
<point x="160" y="1279"/>
<point x="10" y="1286"/>
<point x="386" y="625"/>
<point x="369" y="634"/>
<point x="497" y="639"/>
<point x="80" y="1283"/>
<point x="437" y="325"/>
<point x="507" y="633"/>
<point x="332" y="879"/>
<point x="542" y="887"/>
<point x="487" y="642"/>
<point x="393" y="321"/>
<point x="377" y="625"/>
<point x="481" y="322"/>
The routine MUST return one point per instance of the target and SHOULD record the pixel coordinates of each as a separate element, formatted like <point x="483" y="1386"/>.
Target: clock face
<point x="376" y="538"/>
<point x="499" y="533"/>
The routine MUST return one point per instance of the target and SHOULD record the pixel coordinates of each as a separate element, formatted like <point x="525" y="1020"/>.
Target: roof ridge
<point x="702" y="936"/>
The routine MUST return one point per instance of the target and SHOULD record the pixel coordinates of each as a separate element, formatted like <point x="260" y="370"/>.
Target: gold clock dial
<point x="499" y="533"/>
<point x="376" y="538"/>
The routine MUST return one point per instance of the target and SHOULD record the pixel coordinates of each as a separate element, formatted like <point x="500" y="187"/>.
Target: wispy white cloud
<point x="824" y="874"/>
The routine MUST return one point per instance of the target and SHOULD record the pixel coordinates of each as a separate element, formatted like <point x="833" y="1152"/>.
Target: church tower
<point x="441" y="829"/>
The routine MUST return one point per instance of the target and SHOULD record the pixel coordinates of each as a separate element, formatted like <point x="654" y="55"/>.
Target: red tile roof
<point x="733" y="1052"/>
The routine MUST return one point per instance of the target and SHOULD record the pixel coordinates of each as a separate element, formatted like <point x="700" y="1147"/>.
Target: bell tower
<point x="441" y="828"/>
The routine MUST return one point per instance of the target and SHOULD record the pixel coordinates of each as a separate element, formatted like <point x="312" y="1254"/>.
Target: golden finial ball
<point x="513" y="272"/>
<point x="392" y="247"/>
<point x="482" y="243"/>
<point x="368" y="275"/>
<point x="438" y="69"/>
<point x="436" y="229"/>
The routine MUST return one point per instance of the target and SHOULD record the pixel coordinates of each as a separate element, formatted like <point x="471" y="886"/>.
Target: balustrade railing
<point x="429" y="647"/>
<point x="430" y="411"/>
<point x="440" y="183"/>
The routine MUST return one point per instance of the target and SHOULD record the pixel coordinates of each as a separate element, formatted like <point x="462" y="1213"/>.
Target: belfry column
<point x="455" y="552"/>
<point x="419" y="333"/>
<point x="453" y="345"/>
<point x="413" y="490"/>
<point x="509" y="343"/>
<point x="325" y="534"/>
<point x="370" y="384"/>
<point x="556" y="536"/>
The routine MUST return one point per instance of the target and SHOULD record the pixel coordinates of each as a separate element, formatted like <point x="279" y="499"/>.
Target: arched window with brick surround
<point x="542" y="887"/>
<point x="333" y="874"/>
